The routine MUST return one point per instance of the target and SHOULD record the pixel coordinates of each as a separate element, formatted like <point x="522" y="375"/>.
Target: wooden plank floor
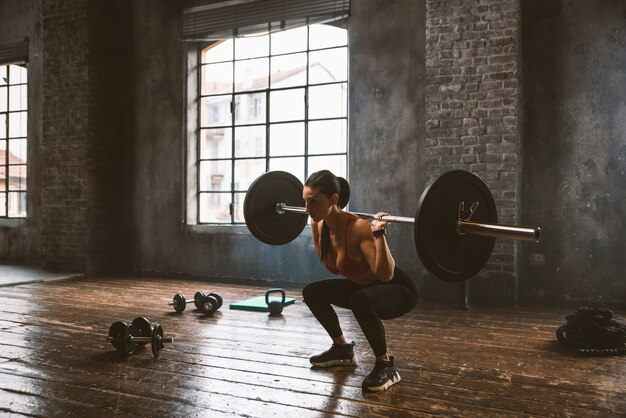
<point x="54" y="359"/>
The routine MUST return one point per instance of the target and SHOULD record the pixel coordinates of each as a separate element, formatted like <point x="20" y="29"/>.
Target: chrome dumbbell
<point x="208" y="304"/>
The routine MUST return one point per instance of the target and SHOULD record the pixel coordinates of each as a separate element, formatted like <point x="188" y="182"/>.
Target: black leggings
<point x="369" y="303"/>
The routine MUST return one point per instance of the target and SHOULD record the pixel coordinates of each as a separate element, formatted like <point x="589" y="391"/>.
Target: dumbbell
<point x="199" y="300"/>
<point x="208" y="304"/>
<point x="126" y="337"/>
<point x="180" y="302"/>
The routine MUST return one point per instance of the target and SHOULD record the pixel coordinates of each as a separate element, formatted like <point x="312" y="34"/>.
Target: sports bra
<point x="348" y="267"/>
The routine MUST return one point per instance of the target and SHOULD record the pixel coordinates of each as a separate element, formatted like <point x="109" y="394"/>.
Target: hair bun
<point x="344" y="192"/>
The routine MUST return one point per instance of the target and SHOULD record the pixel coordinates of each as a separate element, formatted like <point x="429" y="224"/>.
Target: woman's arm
<point x="375" y="250"/>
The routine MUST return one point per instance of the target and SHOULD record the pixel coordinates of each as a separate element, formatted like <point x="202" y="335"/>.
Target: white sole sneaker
<point x="394" y="379"/>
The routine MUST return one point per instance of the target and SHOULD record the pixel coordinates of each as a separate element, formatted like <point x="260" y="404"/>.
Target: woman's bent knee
<point x="313" y="291"/>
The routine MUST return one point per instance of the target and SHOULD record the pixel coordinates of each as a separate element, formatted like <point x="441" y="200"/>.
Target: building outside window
<point x="272" y="102"/>
<point x="13" y="140"/>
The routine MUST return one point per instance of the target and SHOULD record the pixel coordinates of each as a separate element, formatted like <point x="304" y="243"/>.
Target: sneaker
<point x="382" y="377"/>
<point x="337" y="355"/>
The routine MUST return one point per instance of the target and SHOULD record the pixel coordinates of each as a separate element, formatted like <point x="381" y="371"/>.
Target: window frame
<point x="194" y="156"/>
<point x="22" y="190"/>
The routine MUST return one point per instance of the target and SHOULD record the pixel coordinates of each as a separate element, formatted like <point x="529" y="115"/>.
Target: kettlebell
<point x="275" y="307"/>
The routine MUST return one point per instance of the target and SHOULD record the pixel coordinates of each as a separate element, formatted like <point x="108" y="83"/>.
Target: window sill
<point x="217" y="229"/>
<point x="12" y="222"/>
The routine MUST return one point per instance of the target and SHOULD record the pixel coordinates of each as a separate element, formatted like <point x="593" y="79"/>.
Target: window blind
<point x="14" y="51"/>
<point x="211" y="21"/>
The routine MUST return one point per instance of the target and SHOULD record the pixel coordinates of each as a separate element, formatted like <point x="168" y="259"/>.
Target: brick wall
<point x="473" y="96"/>
<point x="81" y="147"/>
<point x="65" y="140"/>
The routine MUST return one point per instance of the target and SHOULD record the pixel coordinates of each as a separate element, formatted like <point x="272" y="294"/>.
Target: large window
<point x="13" y="140"/>
<point x="271" y="102"/>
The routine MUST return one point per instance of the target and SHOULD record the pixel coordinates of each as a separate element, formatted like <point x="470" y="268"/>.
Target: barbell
<point x="453" y="242"/>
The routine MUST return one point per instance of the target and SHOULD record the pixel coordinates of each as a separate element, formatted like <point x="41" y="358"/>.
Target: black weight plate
<point x="210" y="305"/>
<point x="198" y="299"/>
<point x="143" y="328"/>
<point x="446" y="254"/>
<point x="157" y="340"/>
<point x="259" y="208"/>
<point x="117" y="331"/>
<point x="218" y="298"/>
<point x="179" y="302"/>
<point x="129" y="346"/>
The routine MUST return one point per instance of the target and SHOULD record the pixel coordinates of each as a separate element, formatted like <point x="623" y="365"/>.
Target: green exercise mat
<point x="258" y="304"/>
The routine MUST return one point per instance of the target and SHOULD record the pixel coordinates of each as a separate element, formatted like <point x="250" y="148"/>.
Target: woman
<point x="374" y="289"/>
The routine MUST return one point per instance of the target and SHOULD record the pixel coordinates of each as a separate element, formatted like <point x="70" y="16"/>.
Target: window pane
<point x="214" y="207"/>
<point x="17" y="98"/>
<point x="254" y="46"/>
<point x="219" y="51"/>
<point x="251" y="74"/>
<point x="3" y="126"/>
<point x="17" y="124"/>
<point x="238" y="205"/>
<point x="17" y="74"/>
<point x="217" y="78"/>
<point x="17" y="204"/>
<point x="250" y="141"/>
<point x="3" y="99"/>
<point x="17" y="149"/>
<point x="288" y="70"/>
<point x="3" y="75"/>
<point x="215" y="111"/>
<point x="328" y="101"/>
<point x="328" y="65"/>
<point x="246" y="171"/>
<point x="334" y="163"/>
<point x="328" y="136"/>
<point x="3" y="157"/>
<point x="3" y="202"/>
<point x="250" y="108"/>
<point x="17" y="177"/>
<point x="294" y="165"/>
<point x="287" y="105"/>
<point x="215" y="176"/>
<point x="216" y="143"/>
<point x="287" y="139"/>
<point x="293" y="40"/>
<point x="324" y="36"/>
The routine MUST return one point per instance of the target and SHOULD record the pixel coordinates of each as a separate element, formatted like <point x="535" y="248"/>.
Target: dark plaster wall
<point x="387" y="74"/>
<point x="384" y="122"/>
<point x="574" y="142"/>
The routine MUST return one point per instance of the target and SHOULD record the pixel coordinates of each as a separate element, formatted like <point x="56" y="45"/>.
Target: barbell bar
<point x="463" y="226"/>
<point x="452" y="246"/>
<point x="281" y="208"/>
